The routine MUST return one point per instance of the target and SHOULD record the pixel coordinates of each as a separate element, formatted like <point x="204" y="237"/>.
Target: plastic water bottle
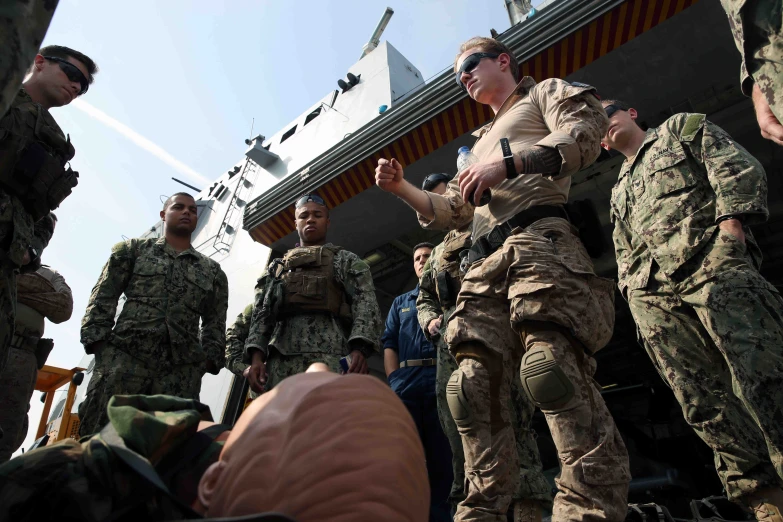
<point x="465" y="158"/>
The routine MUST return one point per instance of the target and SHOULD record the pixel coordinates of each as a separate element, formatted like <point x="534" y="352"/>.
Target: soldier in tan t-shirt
<point x="530" y="301"/>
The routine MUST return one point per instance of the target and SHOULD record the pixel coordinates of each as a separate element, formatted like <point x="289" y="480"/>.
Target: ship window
<point x="288" y="134"/>
<point x="310" y="117"/>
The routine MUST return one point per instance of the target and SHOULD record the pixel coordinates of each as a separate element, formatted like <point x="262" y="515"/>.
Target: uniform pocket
<point x="148" y="278"/>
<point x="197" y="285"/>
<point x="667" y="172"/>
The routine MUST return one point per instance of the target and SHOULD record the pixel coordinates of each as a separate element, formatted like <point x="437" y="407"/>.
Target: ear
<point x="633" y="114"/>
<point x="163" y="215"/>
<point x="605" y="146"/>
<point x="38" y="62"/>
<point x="208" y="483"/>
<point x="328" y="221"/>
<point x="504" y="60"/>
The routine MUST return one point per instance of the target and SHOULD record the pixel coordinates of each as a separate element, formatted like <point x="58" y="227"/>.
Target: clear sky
<point x="178" y="87"/>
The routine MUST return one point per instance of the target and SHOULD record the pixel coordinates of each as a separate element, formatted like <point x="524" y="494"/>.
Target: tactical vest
<point x="33" y="158"/>
<point x="448" y="279"/>
<point x="310" y="285"/>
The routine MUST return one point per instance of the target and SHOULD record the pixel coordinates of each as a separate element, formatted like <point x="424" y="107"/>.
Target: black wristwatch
<point x="738" y="217"/>
<point x="508" y="158"/>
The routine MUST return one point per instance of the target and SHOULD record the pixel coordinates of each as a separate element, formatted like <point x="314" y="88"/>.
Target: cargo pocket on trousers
<point x="601" y="471"/>
<point x="529" y="301"/>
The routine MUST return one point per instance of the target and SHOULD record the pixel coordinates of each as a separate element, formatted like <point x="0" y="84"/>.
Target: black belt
<point x="487" y="244"/>
<point x="418" y="362"/>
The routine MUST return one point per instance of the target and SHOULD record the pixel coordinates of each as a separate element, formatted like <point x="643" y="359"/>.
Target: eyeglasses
<point x="310" y="198"/>
<point x="72" y="72"/>
<point x="433" y="180"/>
<point x="470" y="63"/>
<point x="611" y="109"/>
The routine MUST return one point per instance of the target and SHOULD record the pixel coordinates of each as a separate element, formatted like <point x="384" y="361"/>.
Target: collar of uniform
<point x="161" y="242"/>
<point x="520" y="91"/>
<point x="415" y="292"/>
<point x="651" y="136"/>
<point x="24" y="94"/>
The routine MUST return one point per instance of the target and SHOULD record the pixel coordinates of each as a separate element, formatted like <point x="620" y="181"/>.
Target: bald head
<point x="322" y="447"/>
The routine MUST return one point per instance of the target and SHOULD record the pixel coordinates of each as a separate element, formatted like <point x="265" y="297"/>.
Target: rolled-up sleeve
<point x="450" y="209"/>
<point x="576" y="121"/>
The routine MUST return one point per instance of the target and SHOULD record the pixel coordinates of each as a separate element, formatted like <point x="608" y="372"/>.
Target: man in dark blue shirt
<point x="410" y="361"/>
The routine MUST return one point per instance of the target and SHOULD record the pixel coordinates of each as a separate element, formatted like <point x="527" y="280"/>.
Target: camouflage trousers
<point x="532" y="484"/>
<point x="17" y="385"/>
<point x="763" y="19"/>
<point x="8" y="271"/>
<point x="118" y="373"/>
<point x="714" y="329"/>
<point x="279" y="366"/>
<point x="538" y="291"/>
<point x="23" y="25"/>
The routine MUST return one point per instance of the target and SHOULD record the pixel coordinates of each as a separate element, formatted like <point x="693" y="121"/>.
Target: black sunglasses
<point x="611" y="109"/>
<point x="310" y="198"/>
<point x="72" y="72"/>
<point x="432" y="181"/>
<point x="470" y="63"/>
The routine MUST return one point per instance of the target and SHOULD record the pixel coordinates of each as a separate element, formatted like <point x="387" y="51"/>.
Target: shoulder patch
<point x="693" y="123"/>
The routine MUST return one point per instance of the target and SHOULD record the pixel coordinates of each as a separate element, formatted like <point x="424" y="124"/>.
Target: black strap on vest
<point x="487" y="244"/>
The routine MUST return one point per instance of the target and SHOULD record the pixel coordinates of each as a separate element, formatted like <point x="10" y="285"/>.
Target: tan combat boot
<point x="767" y="504"/>
<point x="530" y="511"/>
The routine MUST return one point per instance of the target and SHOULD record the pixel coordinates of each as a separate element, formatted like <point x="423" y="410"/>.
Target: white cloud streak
<point x="139" y="140"/>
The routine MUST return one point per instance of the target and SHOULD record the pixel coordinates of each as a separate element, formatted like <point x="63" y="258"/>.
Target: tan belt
<point x="418" y="362"/>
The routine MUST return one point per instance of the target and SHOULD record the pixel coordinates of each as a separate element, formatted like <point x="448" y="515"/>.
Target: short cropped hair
<point x="489" y="45"/>
<point x="617" y="103"/>
<point x="424" y="244"/>
<point x="60" y="51"/>
<point x="170" y="199"/>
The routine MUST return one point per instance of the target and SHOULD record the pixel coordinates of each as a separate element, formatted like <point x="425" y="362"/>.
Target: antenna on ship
<point x="375" y="39"/>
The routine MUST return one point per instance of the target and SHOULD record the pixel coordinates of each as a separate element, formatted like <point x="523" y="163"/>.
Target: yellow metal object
<point x="50" y="379"/>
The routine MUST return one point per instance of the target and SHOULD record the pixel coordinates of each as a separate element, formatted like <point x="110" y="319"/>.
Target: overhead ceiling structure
<point x="561" y="39"/>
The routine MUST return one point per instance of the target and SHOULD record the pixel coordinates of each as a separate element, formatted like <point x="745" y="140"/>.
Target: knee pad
<point x="544" y="381"/>
<point x="458" y="403"/>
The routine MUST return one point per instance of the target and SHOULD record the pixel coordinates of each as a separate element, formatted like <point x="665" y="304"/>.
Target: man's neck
<point x="33" y="88"/>
<point x="635" y="143"/>
<point x="498" y="97"/>
<point x="178" y="243"/>
<point x="304" y="243"/>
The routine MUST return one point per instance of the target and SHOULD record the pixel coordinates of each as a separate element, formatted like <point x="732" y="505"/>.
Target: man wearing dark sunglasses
<point x="530" y="304"/>
<point x="688" y="266"/>
<point x="34" y="173"/>
<point x="316" y="304"/>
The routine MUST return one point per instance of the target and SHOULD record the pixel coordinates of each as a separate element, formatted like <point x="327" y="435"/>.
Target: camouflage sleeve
<point x="42" y="233"/>
<point x="427" y="304"/>
<point x="356" y="277"/>
<point x="576" y="121"/>
<point x="732" y="8"/>
<point x="738" y="179"/>
<point x="236" y="335"/>
<point x="622" y="247"/>
<point x="98" y="319"/>
<point x="451" y="212"/>
<point x="259" y="334"/>
<point x="213" y="322"/>
<point x="56" y="306"/>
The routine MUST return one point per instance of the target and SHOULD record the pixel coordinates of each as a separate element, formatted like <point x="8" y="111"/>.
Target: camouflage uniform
<point x="23" y="24"/>
<point x="154" y="348"/>
<point x="711" y="324"/>
<point x="42" y="294"/>
<point x="90" y="481"/>
<point x="236" y="335"/>
<point x="17" y="229"/>
<point x="537" y="294"/>
<point x="293" y="343"/>
<point x="532" y="485"/>
<point x="756" y="26"/>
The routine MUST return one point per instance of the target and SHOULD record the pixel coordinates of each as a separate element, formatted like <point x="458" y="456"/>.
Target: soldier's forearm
<point x="538" y="160"/>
